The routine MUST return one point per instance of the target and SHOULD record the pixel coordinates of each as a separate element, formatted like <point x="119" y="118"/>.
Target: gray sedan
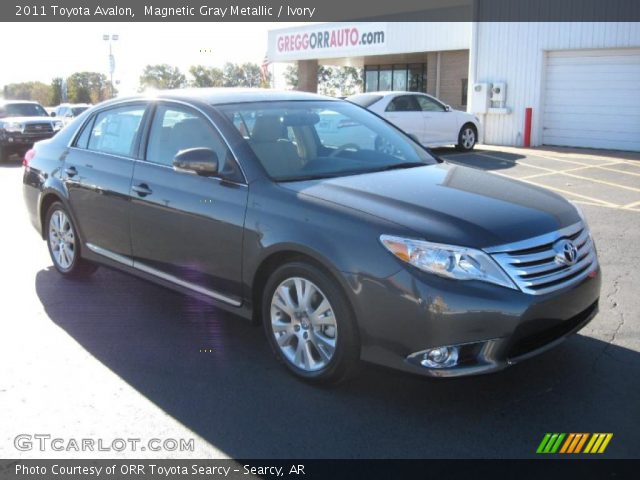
<point x="345" y="246"/>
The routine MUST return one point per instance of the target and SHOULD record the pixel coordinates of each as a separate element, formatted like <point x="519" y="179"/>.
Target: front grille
<point x="44" y="127"/>
<point x="532" y="263"/>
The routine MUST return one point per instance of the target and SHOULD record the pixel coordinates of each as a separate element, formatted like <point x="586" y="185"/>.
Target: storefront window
<point x="385" y="78"/>
<point x="418" y="78"/>
<point x="371" y="80"/>
<point x="397" y="77"/>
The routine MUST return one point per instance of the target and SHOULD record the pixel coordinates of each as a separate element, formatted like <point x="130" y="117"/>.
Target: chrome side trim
<point x="110" y="255"/>
<point x="162" y="275"/>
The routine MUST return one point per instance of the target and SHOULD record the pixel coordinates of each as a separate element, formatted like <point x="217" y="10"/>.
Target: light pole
<point x="112" y="60"/>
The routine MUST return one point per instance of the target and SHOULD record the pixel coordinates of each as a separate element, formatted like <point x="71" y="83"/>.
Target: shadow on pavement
<point x="478" y="158"/>
<point x="240" y="400"/>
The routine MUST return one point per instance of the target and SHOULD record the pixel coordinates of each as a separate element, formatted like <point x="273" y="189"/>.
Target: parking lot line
<point x="540" y="156"/>
<point x="630" y="206"/>
<point x="595" y="180"/>
<point x="566" y="192"/>
<point x="636" y="174"/>
<point x="554" y="172"/>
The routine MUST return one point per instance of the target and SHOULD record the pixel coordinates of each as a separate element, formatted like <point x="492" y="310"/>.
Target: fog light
<point x="440" y="357"/>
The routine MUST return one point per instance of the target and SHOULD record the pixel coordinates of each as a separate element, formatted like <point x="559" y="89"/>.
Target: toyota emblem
<point x="566" y="252"/>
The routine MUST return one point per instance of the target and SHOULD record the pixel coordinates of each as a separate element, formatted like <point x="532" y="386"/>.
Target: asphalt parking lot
<point x="116" y="357"/>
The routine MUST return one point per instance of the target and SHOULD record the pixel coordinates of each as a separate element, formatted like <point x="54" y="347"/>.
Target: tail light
<point x="28" y="157"/>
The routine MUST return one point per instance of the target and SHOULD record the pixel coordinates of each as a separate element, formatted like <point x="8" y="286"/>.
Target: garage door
<point x="592" y="99"/>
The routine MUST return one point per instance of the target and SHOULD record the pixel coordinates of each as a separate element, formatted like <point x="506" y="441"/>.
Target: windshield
<point x="78" y="110"/>
<point x="23" y="110"/>
<point x="299" y="140"/>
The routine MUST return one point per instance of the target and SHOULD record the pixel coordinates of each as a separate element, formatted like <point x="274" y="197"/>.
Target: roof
<point x="218" y="96"/>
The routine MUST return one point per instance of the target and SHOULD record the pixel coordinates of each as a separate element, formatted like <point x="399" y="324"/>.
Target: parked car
<point x="22" y="123"/>
<point x="366" y="250"/>
<point x="68" y="111"/>
<point x="425" y="118"/>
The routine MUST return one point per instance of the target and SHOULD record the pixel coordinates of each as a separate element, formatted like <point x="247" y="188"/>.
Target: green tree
<point x="88" y="87"/>
<point x="251" y="75"/>
<point x="163" y="77"/>
<point x="206" y="77"/>
<point x="37" y="91"/>
<point x="291" y="75"/>
<point x="56" y="91"/>
<point x="233" y="75"/>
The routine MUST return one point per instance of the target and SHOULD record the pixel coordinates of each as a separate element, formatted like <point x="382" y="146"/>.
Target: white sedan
<point x="424" y="117"/>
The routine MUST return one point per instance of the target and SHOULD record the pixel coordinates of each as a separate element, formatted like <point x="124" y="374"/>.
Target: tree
<point x="331" y="80"/>
<point x="350" y="80"/>
<point x="163" y="77"/>
<point x="88" y="87"/>
<point x="56" y="91"/>
<point x="251" y="75"/>
<point x="291" y="75"/>
<point x="233" y="75"/>
<point x="206" y="77"/>
<point x="37" y="91"/>
<point x="245" y="75"/>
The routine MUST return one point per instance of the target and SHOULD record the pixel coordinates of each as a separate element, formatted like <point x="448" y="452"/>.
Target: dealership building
<point x="580" y="81"/>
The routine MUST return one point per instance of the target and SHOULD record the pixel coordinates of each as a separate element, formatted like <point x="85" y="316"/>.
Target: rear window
<point x="364" y="99"/>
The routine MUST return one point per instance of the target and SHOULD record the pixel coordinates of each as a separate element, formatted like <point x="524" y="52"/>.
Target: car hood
<point x="27" y="120"/>
<point x="449" y="203"/>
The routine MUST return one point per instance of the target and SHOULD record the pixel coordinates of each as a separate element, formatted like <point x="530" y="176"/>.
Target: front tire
<point x="64" y="244"/>
<point x="309" y="324"/>
<point x="467" y="138"/>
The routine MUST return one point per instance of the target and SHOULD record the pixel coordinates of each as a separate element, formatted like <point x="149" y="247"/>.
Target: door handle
<point x="71" y="171"/>
<point x="142" y="189"/>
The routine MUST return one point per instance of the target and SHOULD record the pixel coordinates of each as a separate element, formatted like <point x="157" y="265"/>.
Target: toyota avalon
<point x="345" y="247"/>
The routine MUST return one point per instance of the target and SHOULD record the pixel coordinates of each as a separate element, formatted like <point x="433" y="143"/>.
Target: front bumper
<point x="402" y="316"/>
<point x="19" y="141"/>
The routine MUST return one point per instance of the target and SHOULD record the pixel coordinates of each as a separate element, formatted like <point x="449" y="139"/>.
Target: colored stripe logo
<point x="574" y="443"/>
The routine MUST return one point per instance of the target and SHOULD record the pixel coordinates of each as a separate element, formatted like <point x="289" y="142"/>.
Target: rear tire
<point x="64" y="244"/>
<point x="309" y="324"/>
<point x="467" y="138"/>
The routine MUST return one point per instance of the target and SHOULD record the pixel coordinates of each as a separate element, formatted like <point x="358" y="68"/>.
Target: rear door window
<point x="115" y="130"/>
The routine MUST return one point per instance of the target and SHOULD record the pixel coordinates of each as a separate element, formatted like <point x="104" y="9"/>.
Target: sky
<point x="48" y="50"/>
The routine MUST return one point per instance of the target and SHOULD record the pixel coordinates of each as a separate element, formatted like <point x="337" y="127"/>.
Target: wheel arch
<point x="289" y="254"/>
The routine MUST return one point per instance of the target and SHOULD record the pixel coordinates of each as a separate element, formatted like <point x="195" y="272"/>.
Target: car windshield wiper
<point x="398" y="166"/>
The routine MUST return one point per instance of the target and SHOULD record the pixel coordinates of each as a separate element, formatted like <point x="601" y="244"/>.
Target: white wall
<point x="516" y="53"/>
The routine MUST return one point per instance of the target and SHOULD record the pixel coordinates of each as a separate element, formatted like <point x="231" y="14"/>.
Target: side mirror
<point x="52" y="114"/>
<point x="447" y="108"/>
<point x="69" y="115"/>
<point x="201" y="161"/>
<point x="414" y="137"/>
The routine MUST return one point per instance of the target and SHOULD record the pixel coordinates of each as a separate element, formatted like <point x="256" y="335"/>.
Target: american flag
<point x="264" y="68"/>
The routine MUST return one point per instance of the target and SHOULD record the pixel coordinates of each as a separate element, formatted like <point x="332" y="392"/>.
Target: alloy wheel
<point x="303" y="324"/>
<point x="62" y="240"/>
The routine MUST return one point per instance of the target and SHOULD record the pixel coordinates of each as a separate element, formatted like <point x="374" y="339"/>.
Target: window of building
<point x="400" y="77"/>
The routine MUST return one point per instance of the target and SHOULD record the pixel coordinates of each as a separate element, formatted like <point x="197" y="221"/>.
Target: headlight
<point x="449" y="261"/>
<point x="12" y="127"/>
<point x="57" y="125"/>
